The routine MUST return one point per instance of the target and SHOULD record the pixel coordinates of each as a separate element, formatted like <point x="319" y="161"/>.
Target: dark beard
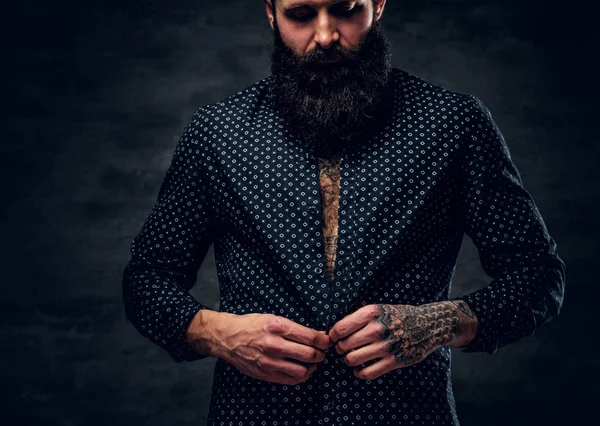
<point x="328" y="106"/>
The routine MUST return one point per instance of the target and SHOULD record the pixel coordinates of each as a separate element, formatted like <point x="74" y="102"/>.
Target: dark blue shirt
<point x="439" y="168"/>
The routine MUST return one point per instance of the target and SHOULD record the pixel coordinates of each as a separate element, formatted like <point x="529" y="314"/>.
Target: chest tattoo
<point x="329" y="179"/>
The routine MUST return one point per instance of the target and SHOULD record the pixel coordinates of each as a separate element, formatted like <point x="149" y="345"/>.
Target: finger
<point x="376" y="369"/>
<point x="327" y="334"/>
<point x="366" y="353"/>
<point x="300" y="352"/>
<point x="293" y="331"/>
<point x="291" y="368"/>
<point x="365" y="336"/>
<point x="282" y="378"/>
<point x="353" y="322"/>
<point x="311" y="368"/>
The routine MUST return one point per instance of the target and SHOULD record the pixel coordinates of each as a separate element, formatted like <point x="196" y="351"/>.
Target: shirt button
<point x="313" y="209"/>
<point x="318" y="270"/>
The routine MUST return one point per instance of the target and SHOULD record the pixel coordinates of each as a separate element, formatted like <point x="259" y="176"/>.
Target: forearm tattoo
<point x="412" y="332"/>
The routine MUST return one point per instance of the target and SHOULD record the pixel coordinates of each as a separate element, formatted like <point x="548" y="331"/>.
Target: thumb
<point x="323" y="331"/>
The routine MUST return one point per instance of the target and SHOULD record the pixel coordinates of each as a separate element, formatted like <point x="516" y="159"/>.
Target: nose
<point x="326" y="32"/>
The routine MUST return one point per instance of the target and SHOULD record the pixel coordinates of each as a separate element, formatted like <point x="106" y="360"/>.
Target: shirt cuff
<point x="485" y="338"/>
<point x="179" y="349"/>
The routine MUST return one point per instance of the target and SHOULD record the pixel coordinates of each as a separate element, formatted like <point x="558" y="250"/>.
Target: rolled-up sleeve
<point x="515" y="249"/>
<point x="172" y="244"/>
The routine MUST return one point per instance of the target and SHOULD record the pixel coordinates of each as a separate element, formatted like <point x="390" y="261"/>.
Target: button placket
<point x="328" y="386"/>
<point x="316" y="267"/>
<point x="346" y="229"/>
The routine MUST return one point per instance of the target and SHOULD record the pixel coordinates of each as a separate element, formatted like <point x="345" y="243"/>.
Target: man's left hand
<point x="396" y="335"/>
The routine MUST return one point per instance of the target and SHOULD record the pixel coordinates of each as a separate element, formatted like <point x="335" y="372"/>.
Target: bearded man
<point x="336" y="192"/>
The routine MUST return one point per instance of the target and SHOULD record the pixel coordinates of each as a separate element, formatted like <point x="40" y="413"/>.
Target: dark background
<point x="96" y="95"/>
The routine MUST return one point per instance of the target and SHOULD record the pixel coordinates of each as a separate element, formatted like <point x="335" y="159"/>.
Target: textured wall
<point x="97" y="96"/>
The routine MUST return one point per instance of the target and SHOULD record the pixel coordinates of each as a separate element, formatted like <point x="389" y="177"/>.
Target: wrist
<point x="467" y="325"/>
<point x="204" y="331"/>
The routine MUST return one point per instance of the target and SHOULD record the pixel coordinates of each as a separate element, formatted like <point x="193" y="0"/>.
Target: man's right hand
<point x="268" y="347"/>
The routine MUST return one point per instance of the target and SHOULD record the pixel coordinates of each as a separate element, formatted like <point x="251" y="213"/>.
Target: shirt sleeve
<point x="172" y="244"/>
<point x="515" y="249"/>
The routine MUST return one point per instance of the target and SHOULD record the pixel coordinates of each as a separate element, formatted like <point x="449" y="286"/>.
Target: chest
<point x="329" y="183"/>
<point x="312" y="215"/>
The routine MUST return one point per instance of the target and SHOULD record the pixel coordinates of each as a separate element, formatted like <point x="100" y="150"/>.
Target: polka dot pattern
<point x="437" y="169"/>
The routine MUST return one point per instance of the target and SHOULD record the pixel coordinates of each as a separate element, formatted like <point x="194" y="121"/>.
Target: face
<point x="306" y="24"/>
<point x="330" y="64"/>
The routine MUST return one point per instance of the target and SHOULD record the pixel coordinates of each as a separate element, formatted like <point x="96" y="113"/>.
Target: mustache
<point x="335" y="53"/>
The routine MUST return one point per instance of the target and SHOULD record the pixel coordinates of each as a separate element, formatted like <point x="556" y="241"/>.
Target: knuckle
<point x="315" y="340"/>
<point x="268" y="343"/>
<point x="273" y="324"/>
<point x="348" y="360"/>
<point x="375" y="311"/>
<point x="260" y="361"/>
<point x="378" y="331"/>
